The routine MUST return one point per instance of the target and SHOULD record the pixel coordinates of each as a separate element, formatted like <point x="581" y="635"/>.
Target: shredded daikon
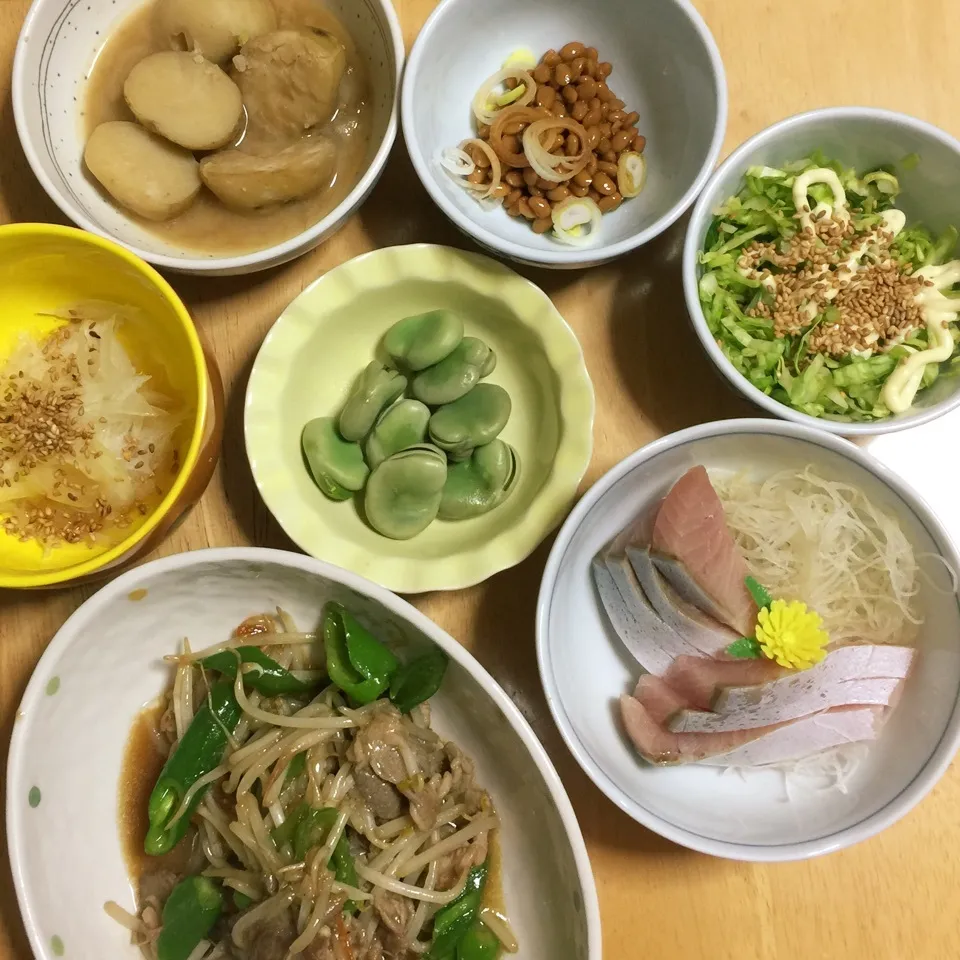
<point x="826" y="543"/>
<point x="84" y="435"/>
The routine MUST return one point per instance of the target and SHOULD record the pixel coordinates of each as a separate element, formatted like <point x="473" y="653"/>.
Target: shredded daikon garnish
<point x="83" y="437"/>
<point x="826" y="543"/>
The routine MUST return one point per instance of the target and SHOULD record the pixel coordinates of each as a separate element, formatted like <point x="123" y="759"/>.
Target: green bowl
<point x="334" y="328"/>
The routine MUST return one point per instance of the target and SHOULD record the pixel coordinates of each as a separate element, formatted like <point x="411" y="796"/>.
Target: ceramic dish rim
<point x="200" y="266"/>
<point x="66" y="635"/>
<point x="690" y="270"/>
<point x="201" y="381"/>
<point x="909" y="796"/>
<point x="579" y="256"/>
<point x="574" y="393"/>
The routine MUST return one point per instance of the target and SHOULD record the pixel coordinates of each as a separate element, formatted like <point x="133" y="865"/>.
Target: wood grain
<point x="892" y="898"/>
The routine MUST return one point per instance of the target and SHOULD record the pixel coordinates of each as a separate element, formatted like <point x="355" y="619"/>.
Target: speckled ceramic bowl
<point x="68" y="744"/>
<point x="307" y="365"/>
<point x="44" y="268"/>
<point x="58" y="44"/>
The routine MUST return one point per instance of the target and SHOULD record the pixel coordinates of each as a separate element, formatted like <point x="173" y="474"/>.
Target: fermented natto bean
<point x="594" y="196"/>
<point x="572" y="146"/>
<point x="539" y="206"/>
<point x="579" y="67"/>
<point x="514" y="209"/>
<point x="593" y="118"/>
<point x="559" y="109"/>
<point x="546" y="96"/>
<point x="551" y="58"/>
<point x="583" y="178"/>
<point x="591" y="166"/>
<point x="591" y="53"/>
<point x="610" y="169"/>
<point x="579" y="191"/>
<point x="558" y="194"/>
<point x="604" y="68"/>
<point x="562" y="75"/>
<point x="615" y="128"/>
<point x="603" y="184"/>
<point x="616" y="103"/>
<point x="616" y="114"/>
<point x="513" y="196"/>
<point x="571" y="50"/>
<point x="542" y="226"/>
<point x="609" y="156"/>
<point x="621" y="141"/>
<point x="569" y="93"/>
<point x="587" y="88"/>
<point x="529" y="176"/>
<point x="542" y="73"/>
<point x="511" y="143"/>
<point x="525" y="210"/>
<point x="478" y="176"/>
<point x="500" y="190"/>
<point x="514" y="178"/>
<point x="483" y="131"/>
<point x="558" y="140"/>
<point x="579" y="111"/>
<point x="545" y="185"/>
<point x="535" y="191"/>
<point x="604" y="92"/>
<point x="593" y="138"/>
<point x="609" y="204"/>
<point x="605" y="130"/>
<point x="633" y="119"/>
<point x="639" y="143"/>
<point x="604" y="145"/>
<point x="514" y="126"/>
<point x="480" y="158"/>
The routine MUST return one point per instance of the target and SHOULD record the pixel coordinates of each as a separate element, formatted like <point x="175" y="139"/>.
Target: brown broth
<point x="208" y="225"/>
<point x="142" y="763"/>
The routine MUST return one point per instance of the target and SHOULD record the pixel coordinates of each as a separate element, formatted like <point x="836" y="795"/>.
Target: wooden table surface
<point x="892" y="898"/>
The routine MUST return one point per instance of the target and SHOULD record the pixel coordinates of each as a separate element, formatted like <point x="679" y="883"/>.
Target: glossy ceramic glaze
<point x="863" y="139"/>
<point x="322" y="341"/>
<point x="665" y="66"/>
<point x="54" y="56"/>
<point x="748" y="815"/>
<point x="548" y="887"/>
<point x="45" y="268"/>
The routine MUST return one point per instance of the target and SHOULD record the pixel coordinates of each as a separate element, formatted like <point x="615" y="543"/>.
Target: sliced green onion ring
<point x="481" y="108"/>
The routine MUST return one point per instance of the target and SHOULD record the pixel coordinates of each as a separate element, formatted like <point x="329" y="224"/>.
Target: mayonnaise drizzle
<point x="801" y="187"/>
<point x="939" y="311"/>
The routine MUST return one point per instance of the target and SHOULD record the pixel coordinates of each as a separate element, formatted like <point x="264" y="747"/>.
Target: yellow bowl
<point x="43" y="268"/>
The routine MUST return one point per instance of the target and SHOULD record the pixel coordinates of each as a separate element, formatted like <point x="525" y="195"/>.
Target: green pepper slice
<point x="200" y="749"/>
<point x="191" y="910"/>
<point x="478" y="943"/>
<point x="418" y="680"/>
<point x="306" y="828"/>
<point x="271" y="679"/>
<point x="450" y="924"/>
<point x="359" y="665"/>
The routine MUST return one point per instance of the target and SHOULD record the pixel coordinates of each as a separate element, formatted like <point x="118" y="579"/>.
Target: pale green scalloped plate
<point x="333" y="329"/>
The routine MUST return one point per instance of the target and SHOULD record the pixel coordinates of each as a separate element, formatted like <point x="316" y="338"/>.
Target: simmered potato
<point x="215" y="28"/>
<point x="247" y="182"/>
<point x="186" y="99"/>
<point x="141" y="171"/>
<point x="289" y="80"/>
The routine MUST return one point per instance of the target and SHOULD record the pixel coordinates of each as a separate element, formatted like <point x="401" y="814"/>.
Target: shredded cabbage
<point x="834" y="388"/>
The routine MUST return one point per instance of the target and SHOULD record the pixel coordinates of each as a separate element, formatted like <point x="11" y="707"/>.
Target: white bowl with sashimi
<point x="749" y="635"/>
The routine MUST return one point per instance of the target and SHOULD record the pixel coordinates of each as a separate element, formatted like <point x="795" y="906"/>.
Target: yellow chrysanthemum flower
<point x="791" y="634"/>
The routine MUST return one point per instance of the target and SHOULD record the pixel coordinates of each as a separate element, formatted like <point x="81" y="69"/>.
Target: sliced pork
<point x="709" y="636"/>
<point x="695" y="551"/>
